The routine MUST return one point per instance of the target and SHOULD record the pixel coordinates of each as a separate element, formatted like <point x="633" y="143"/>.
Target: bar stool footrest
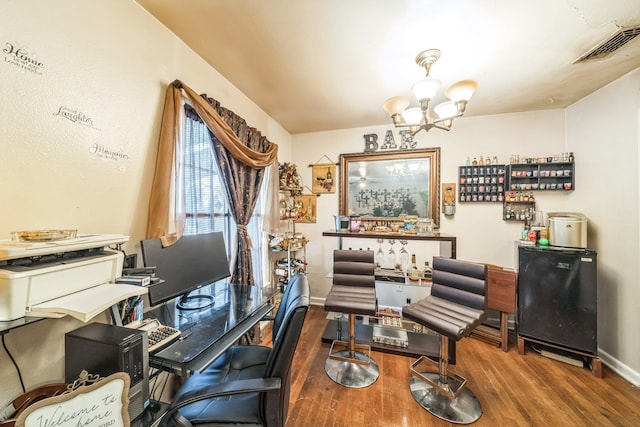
<point x="339" y="348"/>
<point x="455" y="383"/>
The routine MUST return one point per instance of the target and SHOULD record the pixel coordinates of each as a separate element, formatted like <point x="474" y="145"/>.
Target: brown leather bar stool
<point x="353" y="292"/>
<point x="455" y="307"/>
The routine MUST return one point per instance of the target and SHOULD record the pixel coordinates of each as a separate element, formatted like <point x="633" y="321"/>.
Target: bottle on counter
<point x="427" y="273"/>
<point x="413" y="274"/>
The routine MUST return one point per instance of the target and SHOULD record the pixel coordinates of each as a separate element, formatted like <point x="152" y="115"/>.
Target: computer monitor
<point x="192" y="262"/>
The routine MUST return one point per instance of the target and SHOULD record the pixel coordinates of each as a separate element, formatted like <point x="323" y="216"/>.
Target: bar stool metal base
<point x="361" y="372"/>
<point x="465" y="409"/>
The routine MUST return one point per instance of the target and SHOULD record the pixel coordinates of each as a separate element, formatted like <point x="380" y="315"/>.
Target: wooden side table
<point x="501" y="296"/>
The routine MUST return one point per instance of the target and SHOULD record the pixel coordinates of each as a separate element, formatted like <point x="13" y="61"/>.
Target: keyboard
<point x="159" y="335"/>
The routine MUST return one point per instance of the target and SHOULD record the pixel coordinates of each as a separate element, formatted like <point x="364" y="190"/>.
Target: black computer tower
<point x="105" y="349"/>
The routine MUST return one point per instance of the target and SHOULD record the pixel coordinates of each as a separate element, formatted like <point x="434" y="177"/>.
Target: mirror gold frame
<point x="391" y="183"/>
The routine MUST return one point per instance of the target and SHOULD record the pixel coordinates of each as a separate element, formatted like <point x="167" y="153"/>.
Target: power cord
<point x="14" y="363"/>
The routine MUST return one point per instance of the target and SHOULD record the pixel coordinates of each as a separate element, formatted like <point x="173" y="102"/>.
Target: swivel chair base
<point x="464" y="409"/>
<point x="355" y="371"/>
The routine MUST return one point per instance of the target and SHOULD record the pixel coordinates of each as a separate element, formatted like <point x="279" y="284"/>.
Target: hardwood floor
<point x="514" y="390"/>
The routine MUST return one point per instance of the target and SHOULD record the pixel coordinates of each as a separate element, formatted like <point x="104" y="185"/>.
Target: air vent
<point x="613" y="43"/>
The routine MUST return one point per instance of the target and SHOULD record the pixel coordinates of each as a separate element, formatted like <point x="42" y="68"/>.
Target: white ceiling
<point x="316" y="65"/>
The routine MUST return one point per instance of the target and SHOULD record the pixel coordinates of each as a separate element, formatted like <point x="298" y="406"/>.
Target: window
<point x="207" y="208"/>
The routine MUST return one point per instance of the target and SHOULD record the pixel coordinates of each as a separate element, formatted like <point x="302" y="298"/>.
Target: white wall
<point x="110" y="62"/>
<point x="603" y="130"/>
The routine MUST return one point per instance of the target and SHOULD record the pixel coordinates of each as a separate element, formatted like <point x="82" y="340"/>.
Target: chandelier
<point x="422" y="118"/>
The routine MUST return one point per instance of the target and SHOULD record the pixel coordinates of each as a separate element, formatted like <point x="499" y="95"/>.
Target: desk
<point x="207" y="333"/>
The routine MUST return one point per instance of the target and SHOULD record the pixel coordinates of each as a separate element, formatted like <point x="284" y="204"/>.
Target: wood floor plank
<point x="514" y="389"/>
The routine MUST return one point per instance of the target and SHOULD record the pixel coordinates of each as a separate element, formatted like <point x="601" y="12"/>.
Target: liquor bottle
<point x="412" y="272"/>
<point x="427" y="273"/>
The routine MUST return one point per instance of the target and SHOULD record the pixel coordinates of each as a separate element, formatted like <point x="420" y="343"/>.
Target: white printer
<point x="73" y="276"/>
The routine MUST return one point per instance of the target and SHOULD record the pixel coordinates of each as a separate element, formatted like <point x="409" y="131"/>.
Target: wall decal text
<point x="75" y="116"/>
<point x="20" y="57"/>
<point x="102" y="151"/>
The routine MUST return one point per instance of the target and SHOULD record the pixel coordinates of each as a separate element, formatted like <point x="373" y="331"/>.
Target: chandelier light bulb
<point x="425" y="88"/>
<point x="461" y="91"/>
<point x="396" y="105"/>
<point x="446" y="110"/>
<point x="412" y="116"/>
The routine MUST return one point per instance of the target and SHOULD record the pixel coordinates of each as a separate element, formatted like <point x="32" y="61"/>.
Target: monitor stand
<point x="195" y="302"/>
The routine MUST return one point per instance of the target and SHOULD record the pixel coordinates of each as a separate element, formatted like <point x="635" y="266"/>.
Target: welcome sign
<point x="102" y="404"/>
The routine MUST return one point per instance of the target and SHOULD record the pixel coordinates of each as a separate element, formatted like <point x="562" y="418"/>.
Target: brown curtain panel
<point x="243" y="155"/>
<point x="243" y="183"/>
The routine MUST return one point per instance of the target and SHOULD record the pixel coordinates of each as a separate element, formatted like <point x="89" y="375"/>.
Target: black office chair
<point x="249" y="384"/>
<point x="455" y="307"/>
<point x="353" y="292"/>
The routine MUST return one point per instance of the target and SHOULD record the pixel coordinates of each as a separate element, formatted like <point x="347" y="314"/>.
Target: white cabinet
<point x="394" y="295"/>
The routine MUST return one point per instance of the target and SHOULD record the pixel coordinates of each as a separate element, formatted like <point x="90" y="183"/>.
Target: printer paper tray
<point x="86" y="304"/>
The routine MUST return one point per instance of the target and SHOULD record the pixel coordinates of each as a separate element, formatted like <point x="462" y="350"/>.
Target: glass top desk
<point x="207" y="333"/>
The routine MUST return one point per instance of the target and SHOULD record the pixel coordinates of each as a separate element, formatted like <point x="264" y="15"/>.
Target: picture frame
<point x="323" y="178"/>
<point x="309" y="208"/>
<point x="370" y="181"/>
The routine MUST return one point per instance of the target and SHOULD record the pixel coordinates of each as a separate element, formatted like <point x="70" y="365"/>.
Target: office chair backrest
<point x="461" y="282"/>
<point x="279" y="317"/>
<point x="294" y="306"/>
<point x="354" y="268"/>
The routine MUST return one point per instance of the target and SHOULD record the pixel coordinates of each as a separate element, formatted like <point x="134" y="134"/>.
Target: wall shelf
<point x="556" y="176"/>
<point x="483" y="183"/>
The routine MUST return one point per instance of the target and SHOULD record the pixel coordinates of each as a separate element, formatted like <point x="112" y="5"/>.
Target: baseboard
<point x="317" y="301"/>
<point x="620" y="368"/>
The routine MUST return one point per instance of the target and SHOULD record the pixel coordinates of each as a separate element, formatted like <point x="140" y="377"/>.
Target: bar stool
<point x="454" y="308"/>
<point x="353" y="292"/>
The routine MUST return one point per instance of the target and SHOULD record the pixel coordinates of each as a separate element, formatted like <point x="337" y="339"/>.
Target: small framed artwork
<point x="449" y="198"/>
<point x="323" y="178"/>
<point x="308" y="205"/>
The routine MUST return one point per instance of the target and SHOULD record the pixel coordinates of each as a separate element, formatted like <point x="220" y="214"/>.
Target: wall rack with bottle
<point x="553" y="176"/>
<point x="291" y="244"/>
<point x="518" y="206"/>
<point x="518" y="211"/>
<point x="481" y="183"/>
<point x="289" y="257"/>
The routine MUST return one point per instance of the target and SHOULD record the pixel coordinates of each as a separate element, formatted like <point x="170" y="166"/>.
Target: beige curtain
<point x="166" y="206"/>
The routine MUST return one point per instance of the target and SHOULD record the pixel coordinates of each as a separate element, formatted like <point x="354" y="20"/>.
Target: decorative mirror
<point x="391" y="183"/>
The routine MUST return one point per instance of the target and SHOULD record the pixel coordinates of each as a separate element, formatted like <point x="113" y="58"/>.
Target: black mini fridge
<point x="557" y="297"/>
